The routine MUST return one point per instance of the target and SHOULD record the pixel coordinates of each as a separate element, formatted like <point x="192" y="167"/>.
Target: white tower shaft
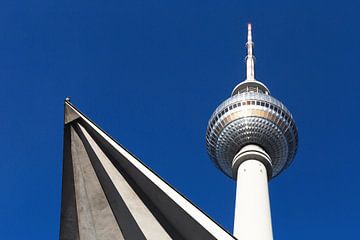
<point x="252" y="207"/>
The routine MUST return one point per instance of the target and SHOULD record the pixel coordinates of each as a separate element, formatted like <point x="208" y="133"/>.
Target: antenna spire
<point x="250" y="61"/>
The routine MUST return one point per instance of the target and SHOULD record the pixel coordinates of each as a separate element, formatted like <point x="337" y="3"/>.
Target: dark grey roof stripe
<point x="68" y="218"/>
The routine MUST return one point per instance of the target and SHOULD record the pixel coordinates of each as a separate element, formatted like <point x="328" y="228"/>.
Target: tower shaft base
<point x="252" y="209"/>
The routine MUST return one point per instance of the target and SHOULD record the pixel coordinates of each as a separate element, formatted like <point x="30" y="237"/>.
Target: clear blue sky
<point x="151" y="72"/>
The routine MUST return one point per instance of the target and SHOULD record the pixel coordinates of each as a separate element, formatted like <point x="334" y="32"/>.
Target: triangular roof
<point x="107" y="193"/>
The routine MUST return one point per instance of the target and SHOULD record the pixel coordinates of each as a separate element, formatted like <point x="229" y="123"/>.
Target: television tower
<point x="252" y="137"/>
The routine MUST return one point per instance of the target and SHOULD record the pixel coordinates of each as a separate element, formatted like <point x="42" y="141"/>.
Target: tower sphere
<point x="251" y="116"/>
